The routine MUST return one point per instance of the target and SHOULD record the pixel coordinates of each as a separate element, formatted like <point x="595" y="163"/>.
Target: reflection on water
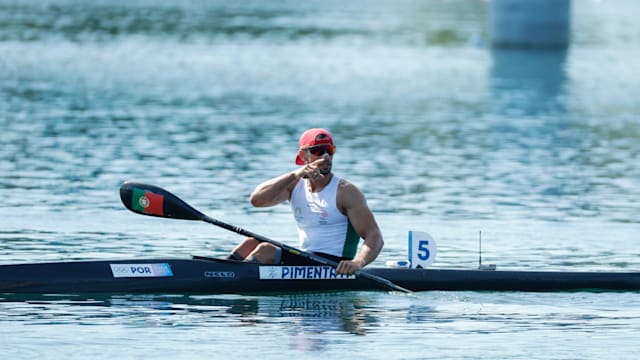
<point x="421" y="313"/>
<point x="307" y="316"/>
<point x="318" y="321"/>
<point x="318" y="313"/>
<point x="528" y="82"/>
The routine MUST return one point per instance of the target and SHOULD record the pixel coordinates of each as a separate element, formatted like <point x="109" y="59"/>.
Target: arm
<point x="274" y="191"/>
<point x="278" y="189"/>
<point x="355" y="207"/>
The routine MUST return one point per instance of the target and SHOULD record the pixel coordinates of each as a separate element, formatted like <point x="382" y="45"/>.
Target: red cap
<point x="310" y="138"/>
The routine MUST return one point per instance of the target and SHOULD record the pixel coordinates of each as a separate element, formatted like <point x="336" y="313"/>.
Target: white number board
<point x="422" y="249"/>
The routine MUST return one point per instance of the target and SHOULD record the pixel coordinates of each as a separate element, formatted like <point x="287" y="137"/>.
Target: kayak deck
<point x="218" y="276"/>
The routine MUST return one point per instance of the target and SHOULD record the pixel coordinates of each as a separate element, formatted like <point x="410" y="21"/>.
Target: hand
<point x="312" y="170"/>
<point x="348" y="267"/>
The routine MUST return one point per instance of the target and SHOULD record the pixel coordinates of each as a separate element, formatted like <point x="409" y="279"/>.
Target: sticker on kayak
<point x="300" y="273"/>
<point x="141" y="270"/>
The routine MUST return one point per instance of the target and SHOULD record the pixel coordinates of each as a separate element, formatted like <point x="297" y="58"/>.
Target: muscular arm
<point x="278" y="189"/>
<point x="355" y="207"/>
<point x="274" y="191"/>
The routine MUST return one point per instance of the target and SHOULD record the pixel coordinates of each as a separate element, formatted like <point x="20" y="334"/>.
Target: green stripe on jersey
<point x="351" y="243"/>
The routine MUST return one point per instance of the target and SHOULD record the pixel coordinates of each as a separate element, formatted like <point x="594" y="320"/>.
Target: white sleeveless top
<point x="321" y="225"/>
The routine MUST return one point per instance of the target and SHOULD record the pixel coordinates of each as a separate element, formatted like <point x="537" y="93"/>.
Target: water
<point x="538" y="150"/>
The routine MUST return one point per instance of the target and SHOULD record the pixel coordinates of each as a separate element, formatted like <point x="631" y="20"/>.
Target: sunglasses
<point x="320" y="150"/>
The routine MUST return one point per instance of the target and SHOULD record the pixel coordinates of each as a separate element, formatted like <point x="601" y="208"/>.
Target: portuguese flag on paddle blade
<point x="147" y="202"/>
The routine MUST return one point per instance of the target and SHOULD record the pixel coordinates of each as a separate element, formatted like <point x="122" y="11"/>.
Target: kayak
<point x="203" y="275"/>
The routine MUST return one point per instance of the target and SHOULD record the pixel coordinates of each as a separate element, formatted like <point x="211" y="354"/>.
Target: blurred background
<point x="445" y="133"/>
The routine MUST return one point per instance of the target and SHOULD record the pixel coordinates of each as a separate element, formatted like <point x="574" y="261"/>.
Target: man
<point x="331" y="213"/>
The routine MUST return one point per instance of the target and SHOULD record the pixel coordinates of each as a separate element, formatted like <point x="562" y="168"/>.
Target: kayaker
<point x="332" y="214"/>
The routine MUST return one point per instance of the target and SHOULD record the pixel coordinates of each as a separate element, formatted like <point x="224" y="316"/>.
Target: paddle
<point x="151" y="200"/>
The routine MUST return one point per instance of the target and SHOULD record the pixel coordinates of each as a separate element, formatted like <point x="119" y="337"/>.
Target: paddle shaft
<point x="382" y="281"/>
<point x="152" y="200"/>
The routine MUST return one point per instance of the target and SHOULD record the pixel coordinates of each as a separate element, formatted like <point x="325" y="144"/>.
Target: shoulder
<point x="349" y="195"/>
<point x="345" y="185"/>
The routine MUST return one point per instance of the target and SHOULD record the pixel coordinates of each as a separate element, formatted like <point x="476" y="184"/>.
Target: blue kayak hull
<point x="217" y="276"/>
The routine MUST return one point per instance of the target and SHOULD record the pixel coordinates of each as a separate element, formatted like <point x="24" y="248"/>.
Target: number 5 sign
<point x="422" y="249"/>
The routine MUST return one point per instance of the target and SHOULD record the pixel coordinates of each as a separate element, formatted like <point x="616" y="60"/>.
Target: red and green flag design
<point x="147" y="202"/>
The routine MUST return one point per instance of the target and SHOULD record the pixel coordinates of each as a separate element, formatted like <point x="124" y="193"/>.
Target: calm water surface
<point x="539" y="150"/>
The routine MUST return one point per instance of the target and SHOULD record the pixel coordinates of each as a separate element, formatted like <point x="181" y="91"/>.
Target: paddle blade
<point x="151" y="200"/>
